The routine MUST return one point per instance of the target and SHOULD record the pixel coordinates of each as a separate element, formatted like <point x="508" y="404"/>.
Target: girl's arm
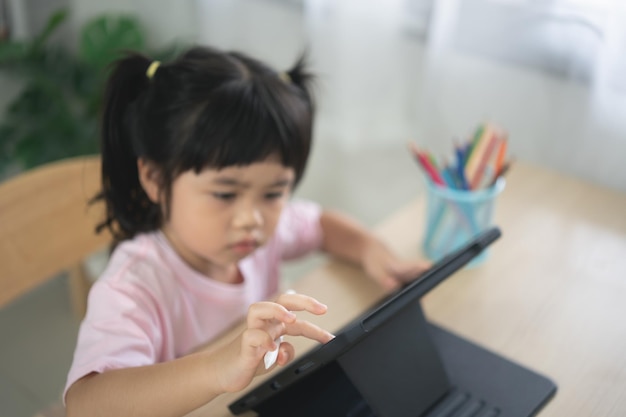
<point x="166" y="389"/>
<point x="177" y="387"/>
<point x="346" y="239"/>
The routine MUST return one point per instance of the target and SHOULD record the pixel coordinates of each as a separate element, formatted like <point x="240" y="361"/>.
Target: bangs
<point x="246" y="121"/>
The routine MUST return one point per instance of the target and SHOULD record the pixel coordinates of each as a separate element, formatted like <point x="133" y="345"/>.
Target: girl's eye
<point x="274" y="196"/>
<point x="225" y="196"/>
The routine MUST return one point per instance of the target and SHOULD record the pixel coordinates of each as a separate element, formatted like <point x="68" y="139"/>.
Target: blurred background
<point x="551" y="72"/>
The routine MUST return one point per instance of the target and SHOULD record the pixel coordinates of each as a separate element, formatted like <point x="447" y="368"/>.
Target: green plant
<point x="56" y="113"/>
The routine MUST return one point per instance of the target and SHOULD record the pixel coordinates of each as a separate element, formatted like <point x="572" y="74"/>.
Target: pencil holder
<point x="453" y="217"/>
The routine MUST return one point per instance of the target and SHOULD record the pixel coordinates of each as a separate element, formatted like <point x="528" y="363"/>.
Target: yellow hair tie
<point x="285" y="77"/>
<point x="152" y="69"/>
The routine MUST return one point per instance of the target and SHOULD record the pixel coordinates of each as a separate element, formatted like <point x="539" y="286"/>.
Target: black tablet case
<point x="405" y="366"/>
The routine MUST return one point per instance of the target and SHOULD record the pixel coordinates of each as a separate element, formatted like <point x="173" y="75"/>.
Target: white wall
<point x="551" y="121"/>
<point x="380" y="85"/>
<point x="273" y="30"/>
<point x="555" y="90"/>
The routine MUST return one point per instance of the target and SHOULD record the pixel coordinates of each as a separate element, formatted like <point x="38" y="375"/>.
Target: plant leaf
<point x="52" y="24"/>
<point x="103" y="38"/>
<point x="11" y="52"/>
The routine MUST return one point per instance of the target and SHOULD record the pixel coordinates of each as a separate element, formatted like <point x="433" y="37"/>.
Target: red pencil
<point x="429" y="169"/>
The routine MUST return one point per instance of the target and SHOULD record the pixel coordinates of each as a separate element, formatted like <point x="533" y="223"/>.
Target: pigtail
<point x="128" y="209"/>
<point x="300" y="76"/>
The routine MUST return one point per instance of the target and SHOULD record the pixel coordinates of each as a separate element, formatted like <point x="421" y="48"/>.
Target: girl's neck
<point x="229" y="274"/>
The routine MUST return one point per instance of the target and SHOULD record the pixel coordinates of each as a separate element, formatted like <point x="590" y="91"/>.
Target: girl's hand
<point x="242" y="360"/>
<point x="386" y="269"/>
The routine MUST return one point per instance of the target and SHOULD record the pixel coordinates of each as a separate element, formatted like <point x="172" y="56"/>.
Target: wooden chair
<point x="47" y="227"/>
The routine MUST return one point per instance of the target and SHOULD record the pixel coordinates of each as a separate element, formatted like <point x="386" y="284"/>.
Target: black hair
<point x="207" y="108"/>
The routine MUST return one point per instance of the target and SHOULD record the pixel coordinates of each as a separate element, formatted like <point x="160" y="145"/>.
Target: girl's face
<point x="218" y="217"/>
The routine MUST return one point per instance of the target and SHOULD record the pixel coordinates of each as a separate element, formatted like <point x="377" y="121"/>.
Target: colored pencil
<point x="484" y="159"/>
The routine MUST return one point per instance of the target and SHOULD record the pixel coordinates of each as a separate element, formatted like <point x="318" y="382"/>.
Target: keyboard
<point x="456" y="403"/>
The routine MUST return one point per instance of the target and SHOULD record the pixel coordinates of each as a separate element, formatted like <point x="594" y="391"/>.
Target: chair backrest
<point x="46" y="225"/>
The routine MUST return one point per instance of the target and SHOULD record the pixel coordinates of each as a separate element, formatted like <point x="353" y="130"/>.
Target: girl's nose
<point x="248" y="218"/>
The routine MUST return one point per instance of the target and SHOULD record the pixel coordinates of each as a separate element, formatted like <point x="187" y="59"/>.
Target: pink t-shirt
<point x="149" y="306"/>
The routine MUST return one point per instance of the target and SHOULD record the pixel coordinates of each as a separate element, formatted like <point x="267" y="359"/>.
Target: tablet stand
<point x="395" y="371"/>
<point x="403" y="368"/>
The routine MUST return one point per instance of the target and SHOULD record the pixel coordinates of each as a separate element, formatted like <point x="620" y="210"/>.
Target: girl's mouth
<point x="245" y="246"/>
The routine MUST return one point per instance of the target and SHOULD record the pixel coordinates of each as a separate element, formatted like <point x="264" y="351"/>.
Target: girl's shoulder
<point x="138" y="260"/>
<point x="136" y="275"/>
<point x="299" y="230"/>
<point x="299" y="210"/>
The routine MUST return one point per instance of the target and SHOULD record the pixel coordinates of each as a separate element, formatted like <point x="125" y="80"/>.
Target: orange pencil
<point x="505" y="167"/>
<point x="501" y="155"/>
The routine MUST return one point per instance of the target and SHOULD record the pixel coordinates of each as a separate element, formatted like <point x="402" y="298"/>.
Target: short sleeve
<point x="299" y="231"/>
<point x="120" y="330"/>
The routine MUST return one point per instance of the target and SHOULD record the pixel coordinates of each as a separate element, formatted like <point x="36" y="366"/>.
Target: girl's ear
<point x="150" y="179"/>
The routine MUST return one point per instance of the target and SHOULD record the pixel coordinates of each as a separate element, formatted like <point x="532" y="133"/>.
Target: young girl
<point x="199" y="157"/>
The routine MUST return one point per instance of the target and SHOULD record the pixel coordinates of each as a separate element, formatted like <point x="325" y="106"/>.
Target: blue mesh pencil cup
<point x="454" y="217"/>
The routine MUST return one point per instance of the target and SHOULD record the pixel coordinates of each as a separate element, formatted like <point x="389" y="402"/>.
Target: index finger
<point x="300" y="302"/>
<point x="308" y="330"/>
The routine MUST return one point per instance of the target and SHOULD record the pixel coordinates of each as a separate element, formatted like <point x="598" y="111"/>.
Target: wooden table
<point x="551" y="295"/>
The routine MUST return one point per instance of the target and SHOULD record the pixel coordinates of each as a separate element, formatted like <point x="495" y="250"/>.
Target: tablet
<point x="351" y="334"/>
